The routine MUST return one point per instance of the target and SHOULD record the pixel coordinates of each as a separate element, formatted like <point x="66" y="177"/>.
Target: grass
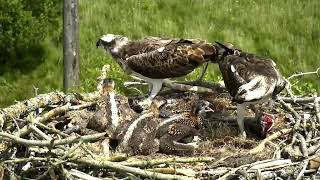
<point x="287" y="31"/>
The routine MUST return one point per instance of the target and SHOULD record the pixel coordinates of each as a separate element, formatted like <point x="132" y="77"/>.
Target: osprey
<point x="250" y="79"/>
<point x="154" y="59"/>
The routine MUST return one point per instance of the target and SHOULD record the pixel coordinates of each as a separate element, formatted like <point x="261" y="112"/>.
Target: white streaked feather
<point x="133" y="126"/>
<point x="108" y="37"/>
<point x="233" y="69"/>
<point x="160" y="49"/>
<point x="170" y="120"/>
<point x="114" y="110"/>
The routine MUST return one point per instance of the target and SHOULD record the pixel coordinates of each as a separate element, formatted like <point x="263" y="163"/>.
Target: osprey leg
<point x="240" y="119"/>
<point x="156" y="87"/>
<point x="204" y="70"/>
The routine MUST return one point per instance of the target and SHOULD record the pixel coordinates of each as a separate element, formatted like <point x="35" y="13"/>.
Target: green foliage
<point x="287" y="31"/>
<point x="23" y="25"/>
<point x="25" y="29"/>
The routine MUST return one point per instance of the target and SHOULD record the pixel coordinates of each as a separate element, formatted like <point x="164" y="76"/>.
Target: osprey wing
<point x="175" y="59"/>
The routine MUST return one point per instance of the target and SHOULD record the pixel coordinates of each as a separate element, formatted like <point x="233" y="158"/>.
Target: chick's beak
<point x="208" y="109"/>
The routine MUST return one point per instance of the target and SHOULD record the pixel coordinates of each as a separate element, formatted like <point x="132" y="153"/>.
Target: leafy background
<point x="31" y="37"/>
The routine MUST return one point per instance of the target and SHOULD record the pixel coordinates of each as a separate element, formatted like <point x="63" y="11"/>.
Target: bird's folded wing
<point x="168" y="61"/>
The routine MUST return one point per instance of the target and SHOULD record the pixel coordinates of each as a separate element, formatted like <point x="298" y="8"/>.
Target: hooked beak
<point x="99" y="43"/>
<point x="231" y="51"/>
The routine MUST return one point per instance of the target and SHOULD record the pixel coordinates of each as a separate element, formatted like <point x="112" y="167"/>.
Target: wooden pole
<point x="71" y="59"/>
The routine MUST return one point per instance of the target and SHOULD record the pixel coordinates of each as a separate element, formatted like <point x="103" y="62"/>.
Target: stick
<point x="304" y="73"/>
<point x="38" y="131"/>
<point x="122" y="168"/>
<point x="294" y="113"/>
<point x="134" y="83"/>
<point x="20" y="160"/>
<point x="184" y="87"/>
<point x="82" y="175"/>
<point x="302" y="100"/>
<point x="53" y="113"/>
<point x="56" y="131"/>
<point x="150" y="163"/>
<point x="304" y="167"/>
<point x="175" y="86"/>
<point x="273" y="136"/>
<point x="313" y="149"/>
<point x="25" y="107"/>
<point x="303" y="145"/>
<point x="317" y="108"/>
<point x="68" y="140"/>
<point x="173" y="170"/>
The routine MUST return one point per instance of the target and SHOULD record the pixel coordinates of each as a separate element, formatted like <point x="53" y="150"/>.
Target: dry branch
<point x="302" y="100"/>
<point x="317" y="108"/>
<point x="273" y="136"/>
<point x="293" y="112"/>
<point x="304" y="73"/>
<point x="122" y="168"/>
<point x="175" y="86"/>
<point x="303" y="145"/>
<point x="53" y="113"/>
<point x="25" y="107"/>
<point x="153" y="162"/>
<point x="52" y="143"/>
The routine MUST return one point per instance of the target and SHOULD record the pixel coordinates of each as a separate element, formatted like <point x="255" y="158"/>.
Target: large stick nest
<point x="48" y="137"/>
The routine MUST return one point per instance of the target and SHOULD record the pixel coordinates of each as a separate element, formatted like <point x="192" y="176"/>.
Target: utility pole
<point x="71" y="60"/>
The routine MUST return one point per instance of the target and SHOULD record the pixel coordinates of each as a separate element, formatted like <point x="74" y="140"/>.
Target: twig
<point x="38" y="131"/>
<point x="176" y="171"/>
<point x="134" y="83"/>
<point x="20" y="160"/>
<point x="303" y="145"/>
<point x="317" y="108"/>
<point x="175" y="86"/>
<point x="71" y="150"/>
<point x="68" y="140"/>
<point x="184" y="87"/>
<point x="304" y="167"/>
<point x="304" y="73"/>
<point x="293" y="112"/>
<point x="82" y="175"/>
<point x="122" y="168"/>
<point x="302" y="100"/>
<point x="42" y="100"/>
<point x="51" y="129"/>
<point x="52" y="113"/>
<point x="150" y="163"/>
<point x="273" y="136"/>
<point x="313" y="149"/>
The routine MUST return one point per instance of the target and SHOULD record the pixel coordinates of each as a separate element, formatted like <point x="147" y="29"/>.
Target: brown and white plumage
<point x="138" y="136"/>
<point x="177" y="132"/>
<point x="250" y="79"/>
<point x="154" y="59"/>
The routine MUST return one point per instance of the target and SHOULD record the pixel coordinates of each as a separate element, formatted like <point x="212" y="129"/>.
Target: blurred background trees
<point x="24" y="25"/>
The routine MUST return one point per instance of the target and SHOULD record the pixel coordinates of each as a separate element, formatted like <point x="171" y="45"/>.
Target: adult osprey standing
<point x="154" y="59"/>
<point x="250" y="79"/>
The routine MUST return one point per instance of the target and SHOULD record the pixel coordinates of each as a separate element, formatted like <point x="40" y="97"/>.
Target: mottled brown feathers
<point x="160" y="58"/>
<point x="239" y="70"/>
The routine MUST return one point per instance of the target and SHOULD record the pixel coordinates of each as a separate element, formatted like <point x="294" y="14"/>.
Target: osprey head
<point x="201" y="108"/>
<point x="227" y="49"/>
<point x="107" y="85"/>
<point x="111" y="41"/>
